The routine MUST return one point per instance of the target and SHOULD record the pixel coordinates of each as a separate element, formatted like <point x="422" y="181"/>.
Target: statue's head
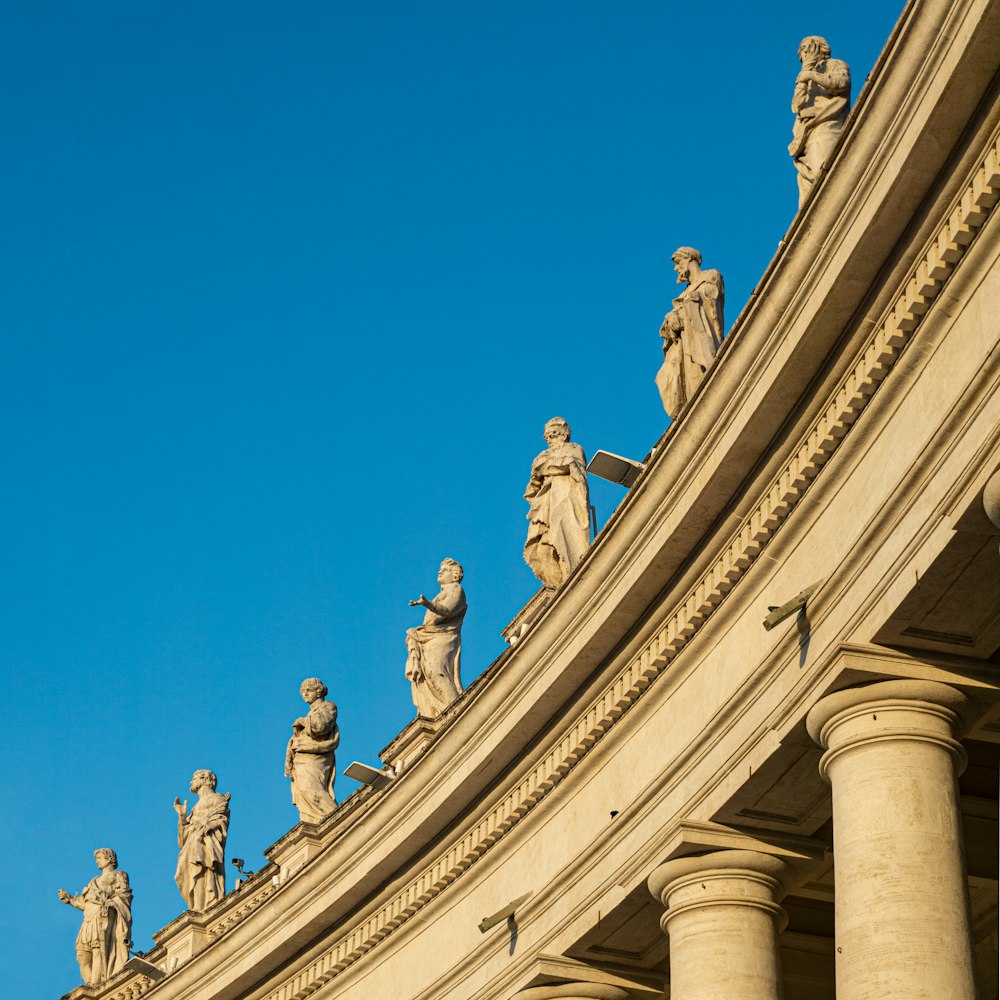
<point x="556" y="431"/>
<point x="202" y="779"/>
<point x="683" y="258"/>
<point x="313" y="689"/>
<point x="105" y="858"/>
<point x="450" y="572"/>
<point x="812" y="47"/>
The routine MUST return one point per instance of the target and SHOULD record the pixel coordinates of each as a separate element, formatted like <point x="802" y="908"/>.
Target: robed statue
<point x="820" y="102"/>
<point x="692" y="331"/>
<point x="558" y="507"/>
<point x="201" y="837"/>
<point x="310" y="756"/>
<point x="434" y="649"/>
<point x="105" y="936"/>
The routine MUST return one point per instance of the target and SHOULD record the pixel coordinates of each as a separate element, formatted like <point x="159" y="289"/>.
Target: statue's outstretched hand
<point x="421" y="600"/>
<point x="180" y="807"/>
<point x="64" y="896"/>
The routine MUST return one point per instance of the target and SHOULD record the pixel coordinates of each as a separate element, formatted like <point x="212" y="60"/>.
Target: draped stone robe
<point x="310" y="761"/>
<point x="434" y="660"/>
<point x="559" y="513"/>
<point x="689" y="354"/>
<point x="106" y="932"/>
<point x="820" y="114"/>
<point x="201" y="864"/>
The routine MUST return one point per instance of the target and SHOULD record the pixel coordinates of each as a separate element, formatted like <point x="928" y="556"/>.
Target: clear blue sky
<point x="289" y="291"/>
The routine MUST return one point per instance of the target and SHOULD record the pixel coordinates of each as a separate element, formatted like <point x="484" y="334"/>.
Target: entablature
<point x="860" y="267"/>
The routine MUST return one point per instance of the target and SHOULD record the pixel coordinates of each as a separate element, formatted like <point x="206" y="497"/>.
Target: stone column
<point x="573" y="991"/>
<point x="902" y="910"/>
<point x="723" y="920"/>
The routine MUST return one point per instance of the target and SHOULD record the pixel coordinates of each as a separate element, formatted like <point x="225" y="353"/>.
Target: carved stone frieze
<point x="846" y="403"/>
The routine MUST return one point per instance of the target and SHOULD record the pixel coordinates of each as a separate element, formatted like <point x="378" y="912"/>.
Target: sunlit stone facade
<point x="684" y="803"/>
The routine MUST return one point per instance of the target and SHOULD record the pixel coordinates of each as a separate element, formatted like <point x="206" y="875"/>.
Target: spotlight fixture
<point x="137" y="964"/>
<point x="374" y="776"/>
<point x="505" y="914"/>
<point x="614" y="468"/>
<point x="780" y="613"/>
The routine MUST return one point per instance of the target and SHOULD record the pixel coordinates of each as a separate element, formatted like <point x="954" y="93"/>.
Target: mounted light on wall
<point x="779" y="614"/>
<point x="614" y="468"/>
<point x="505" y="914"/>
<point x="376" y="777"/>
<point x="150" y="971"/>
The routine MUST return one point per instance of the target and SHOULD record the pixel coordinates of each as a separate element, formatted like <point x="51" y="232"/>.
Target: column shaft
<point x="902" y="912"/>
<point x="723" y="921"/>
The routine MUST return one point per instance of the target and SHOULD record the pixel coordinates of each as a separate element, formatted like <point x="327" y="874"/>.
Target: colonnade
<point x="902" y="924"/>
<point x="903" y="928"/>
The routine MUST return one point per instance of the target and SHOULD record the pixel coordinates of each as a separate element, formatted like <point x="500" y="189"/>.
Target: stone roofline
<point x="819" y="335"/>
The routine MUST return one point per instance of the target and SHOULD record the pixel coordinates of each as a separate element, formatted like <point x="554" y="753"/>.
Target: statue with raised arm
<point x="692" y="331"/>
<point x="201" y="837"/>
<point x="106" y="933"/>
<point x="820" y="103"/>
<point x="310" y="759"/>
<point x="559" y="507"/>
<point x="434" y="649"/>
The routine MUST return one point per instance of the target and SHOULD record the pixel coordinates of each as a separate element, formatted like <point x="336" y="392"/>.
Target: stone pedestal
<point x="902" y="912"/>
<point x="182" y="939"/>
<point x="410" y="744"/>
<point x="723" y="921"/>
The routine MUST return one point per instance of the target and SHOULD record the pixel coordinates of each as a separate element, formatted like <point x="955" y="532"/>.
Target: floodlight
<point x="374" y="776"/>
<point x="150" y="971"/>
<point x="501" y="915"/>
<point x="614" y="468"/>
<point x="779" y="614"/>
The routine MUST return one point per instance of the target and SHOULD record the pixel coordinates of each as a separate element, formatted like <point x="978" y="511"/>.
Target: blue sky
<point x="289" y="293"/>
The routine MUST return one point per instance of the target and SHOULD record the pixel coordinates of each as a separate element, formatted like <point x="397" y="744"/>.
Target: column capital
<point x="728" y="862"/>
<point x="913" y="710"/>
<point x="722" y="878"/>
<point x="723" y="919"/>
<point x="572" y="991"/>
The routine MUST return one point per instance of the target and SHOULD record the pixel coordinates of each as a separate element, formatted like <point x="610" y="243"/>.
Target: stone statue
<point x="692" y="331"/>
<point x="434" y="649"/>
<point x="559" y="507"/>
<point x="821" y="101"/>
<point x="309" y="759"/>
<point x="106" y="934"/>
<point x="201" y="837"/>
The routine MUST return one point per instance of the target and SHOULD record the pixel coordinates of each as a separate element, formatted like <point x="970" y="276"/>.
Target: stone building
<point x="652" y="794"/>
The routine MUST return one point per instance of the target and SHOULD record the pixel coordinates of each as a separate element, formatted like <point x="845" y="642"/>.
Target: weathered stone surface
<point x="820" y="103"/>
<point x="106" y="933"/>
<point x="310" y="757"/>
<point x="723" y="920"/>
<point x="434" y="649"/>
<point x="692" y="331"/>
<point x="201" y="837"/>
<point x="559" y="513"/>
<point x="902" y="903"/>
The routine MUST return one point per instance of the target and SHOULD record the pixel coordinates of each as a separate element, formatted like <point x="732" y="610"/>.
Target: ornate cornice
<point x="124" y="986"/>
<point x="871" y="365"/>
<point x="252" y="902"/>
<point x="845" y="404"/>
